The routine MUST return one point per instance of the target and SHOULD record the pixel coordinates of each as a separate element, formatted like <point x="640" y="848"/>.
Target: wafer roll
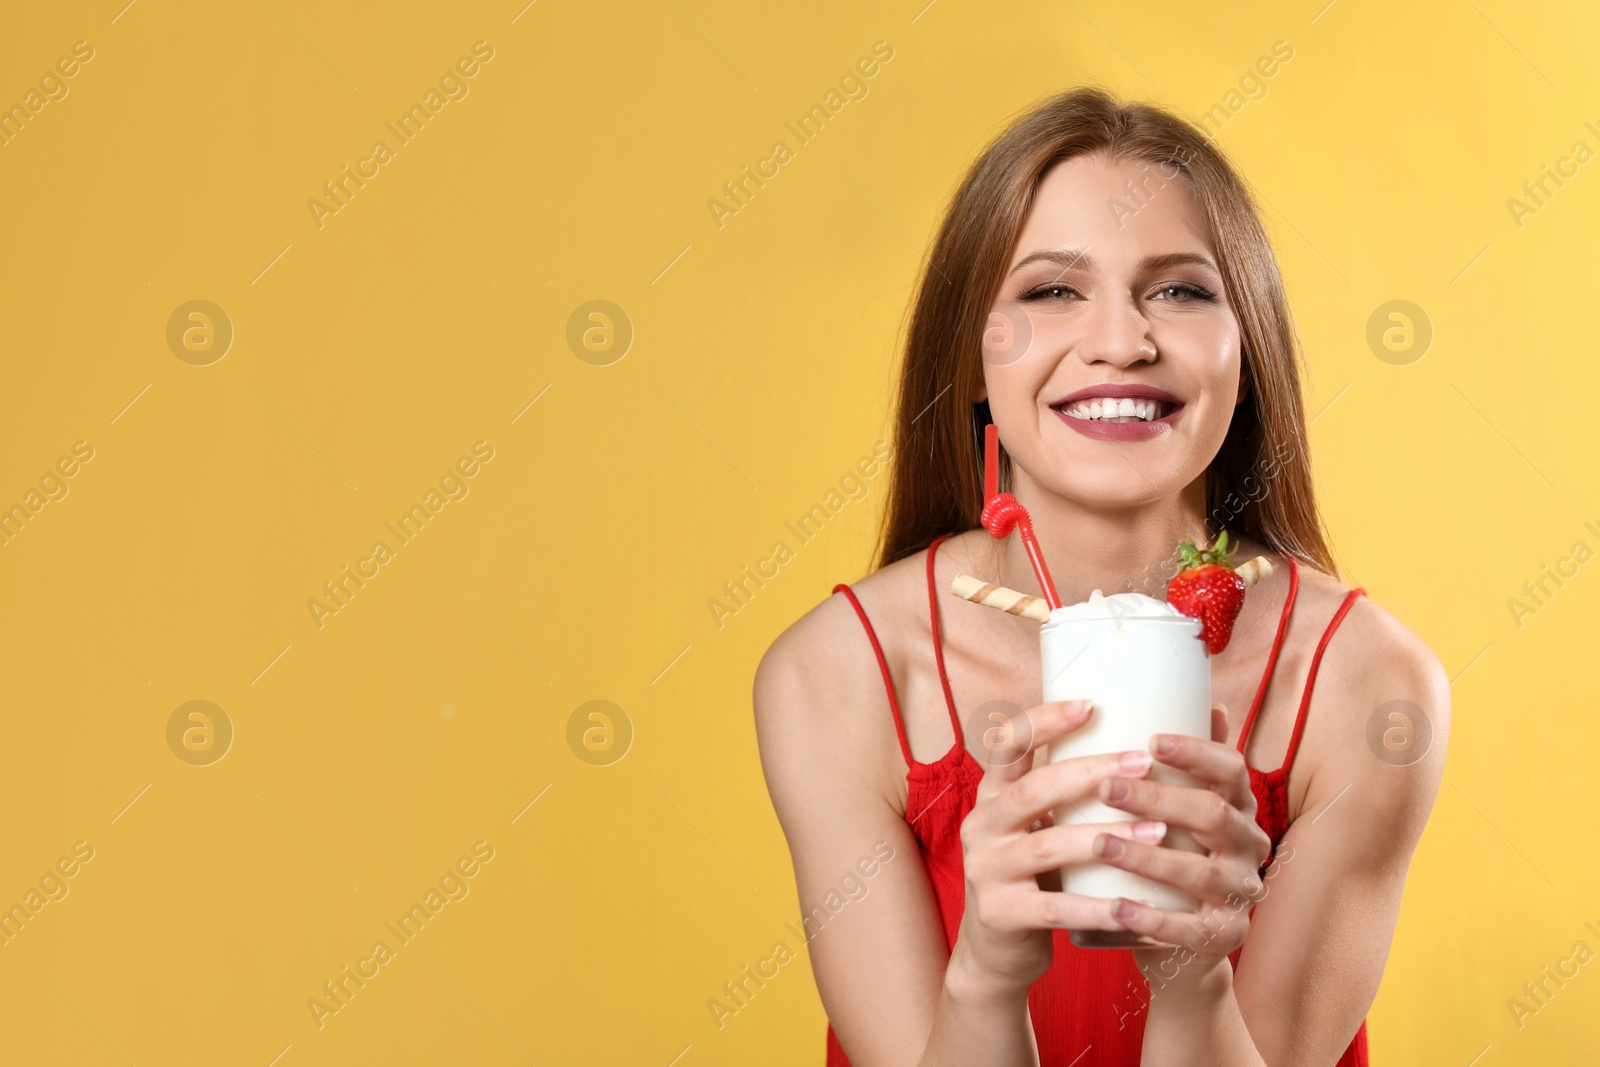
<point x="1256" y="570"/>
<point x="1010" y="601"/>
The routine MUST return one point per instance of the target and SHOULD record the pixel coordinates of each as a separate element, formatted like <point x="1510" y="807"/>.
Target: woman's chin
<point x="1119" y="491"/>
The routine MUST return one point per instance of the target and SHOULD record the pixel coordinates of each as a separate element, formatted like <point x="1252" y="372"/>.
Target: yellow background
<point x="370" y="353"/>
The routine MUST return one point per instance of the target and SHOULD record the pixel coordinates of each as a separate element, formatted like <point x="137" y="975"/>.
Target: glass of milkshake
<point x="1145" y="669"/>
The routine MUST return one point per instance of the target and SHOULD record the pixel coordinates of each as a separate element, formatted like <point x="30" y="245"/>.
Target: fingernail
<point x="1123" y="911"/>
<point x="1108" y="847"/>
<point x="1151" y="831"/>
<point x="1116" y="789"/>
<point x="1165" y="745"/>
<point x="1076" y="709"/>
<point x="1135" y="761"/>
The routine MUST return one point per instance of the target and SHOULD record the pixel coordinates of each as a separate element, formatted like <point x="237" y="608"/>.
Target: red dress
<point x="1089" y="998"/>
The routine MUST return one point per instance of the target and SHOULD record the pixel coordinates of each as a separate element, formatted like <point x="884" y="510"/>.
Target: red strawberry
<point x="1208" y="589"/>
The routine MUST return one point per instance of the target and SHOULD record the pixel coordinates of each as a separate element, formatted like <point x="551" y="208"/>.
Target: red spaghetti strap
<point x="883" y="665"/>
<point x="938" y="645"/>
<point x="1311" y="679"/>
<point x="1277" y="647"/>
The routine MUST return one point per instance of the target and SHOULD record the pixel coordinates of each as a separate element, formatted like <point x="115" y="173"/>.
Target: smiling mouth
<point x="1116" y="409"/>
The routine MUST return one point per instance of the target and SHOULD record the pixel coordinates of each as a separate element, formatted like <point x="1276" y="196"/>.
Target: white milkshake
<point x="1145" y="669"/>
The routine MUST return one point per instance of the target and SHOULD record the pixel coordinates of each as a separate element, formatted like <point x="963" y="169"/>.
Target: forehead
<point x="1085" y="202"/>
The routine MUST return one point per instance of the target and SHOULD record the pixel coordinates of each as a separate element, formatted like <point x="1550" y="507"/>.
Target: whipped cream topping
<point x="1116" y="606"/>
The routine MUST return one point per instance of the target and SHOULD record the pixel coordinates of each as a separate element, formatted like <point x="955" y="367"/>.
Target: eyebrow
<point x="1074" y="257"/>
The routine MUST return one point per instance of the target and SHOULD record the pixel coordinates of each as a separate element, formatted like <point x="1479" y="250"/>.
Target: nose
<point x="1116" y="333"/>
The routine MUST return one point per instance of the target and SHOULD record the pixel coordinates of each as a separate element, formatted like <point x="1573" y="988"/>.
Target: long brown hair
<point x="936" y="481"/>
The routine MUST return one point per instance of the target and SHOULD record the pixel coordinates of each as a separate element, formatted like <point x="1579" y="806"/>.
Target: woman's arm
<point x="1315" y="947"/>
<point x="1318" y="944"/>
<point x="895" y="995"/>
<point x="829" y="752"/>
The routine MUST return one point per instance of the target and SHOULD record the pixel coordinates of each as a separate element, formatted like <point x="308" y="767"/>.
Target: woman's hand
<point x="1220" y="813"/>
<point x="1009" y="843"/>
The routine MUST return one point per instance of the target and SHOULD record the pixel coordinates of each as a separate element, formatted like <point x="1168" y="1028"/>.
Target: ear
<point x="1244" y="388"/>
<point x="983" y="392"/>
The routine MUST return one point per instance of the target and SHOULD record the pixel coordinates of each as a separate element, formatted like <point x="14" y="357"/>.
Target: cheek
<point x="1205" y="356"/>
<point x="1214" y="343"/>
<point x="1008" y="334"/>
<point x="1015" y="386"/>
<point x="1207" y="353"/>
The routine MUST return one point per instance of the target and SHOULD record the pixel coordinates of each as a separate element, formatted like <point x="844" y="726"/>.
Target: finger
<point x="1215" y="765"/>
<point x="1010" y="739"/>
<point x="1186" y="929"/>
<point x="1055" y="847"/>
<point x="1219" y="722"/>
<point x="1208" y="878"/>
<point x="1061" y="784"/>
<point x="1215" y="823"/>
<point x="1029" y="908"/>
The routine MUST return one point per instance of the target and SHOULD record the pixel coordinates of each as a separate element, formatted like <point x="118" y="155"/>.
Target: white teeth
<point x="1108" y="407"/>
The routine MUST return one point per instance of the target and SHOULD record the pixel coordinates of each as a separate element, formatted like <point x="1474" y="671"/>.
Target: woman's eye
<point x="1053" y="292"/>
<point x="1182" y="294"/>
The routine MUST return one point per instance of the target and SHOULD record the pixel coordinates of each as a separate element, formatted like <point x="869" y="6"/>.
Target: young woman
<point x="1097" y="251"/>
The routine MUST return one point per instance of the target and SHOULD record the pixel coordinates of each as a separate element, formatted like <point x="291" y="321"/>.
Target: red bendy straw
<point x="991" y="463"/>
<point x="1002" y="511"/>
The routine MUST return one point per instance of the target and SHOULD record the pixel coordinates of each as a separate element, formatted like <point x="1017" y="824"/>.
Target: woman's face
<point x="1112" y="362"/>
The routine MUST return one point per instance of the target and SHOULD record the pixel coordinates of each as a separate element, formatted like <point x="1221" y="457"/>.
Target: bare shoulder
<point x="821" y="707"/>
<point x="827" y="653"/>
<point x="1381" y="707"/>
<point x="1362" y="790"/>
<point x="1376" y="653"/>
